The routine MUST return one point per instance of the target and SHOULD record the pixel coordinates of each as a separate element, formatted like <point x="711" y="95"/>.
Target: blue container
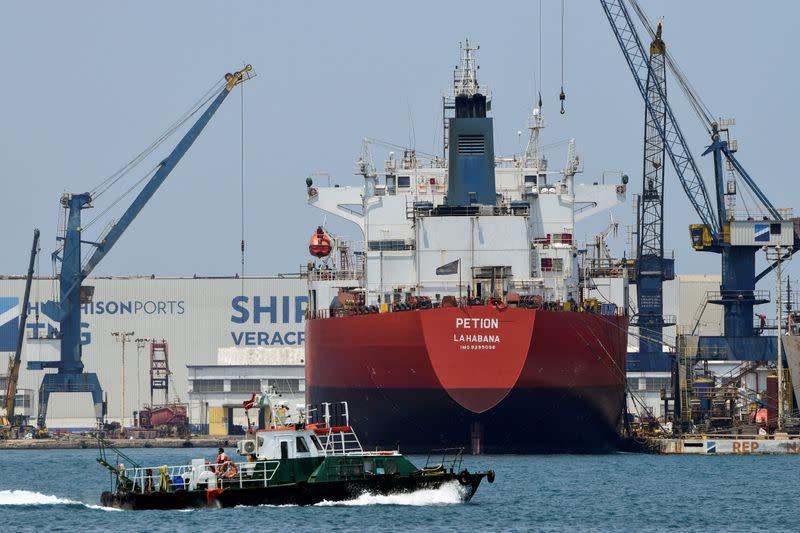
<point x="177" y="483"/>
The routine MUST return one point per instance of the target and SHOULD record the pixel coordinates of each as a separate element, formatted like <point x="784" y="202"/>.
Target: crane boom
<point x="14" y="364"/>
<point x="675" y="143"/>
<point x="67" y="311"/>
<point x="166" y="166"/>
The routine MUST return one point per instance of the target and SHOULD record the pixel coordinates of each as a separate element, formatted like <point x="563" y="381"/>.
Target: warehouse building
<point x="195" y="316"/>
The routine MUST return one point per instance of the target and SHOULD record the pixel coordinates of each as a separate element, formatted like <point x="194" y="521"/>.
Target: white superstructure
<point x="522" y="241"/>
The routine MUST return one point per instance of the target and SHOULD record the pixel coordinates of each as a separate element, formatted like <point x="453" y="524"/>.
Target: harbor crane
<point x="70" y="376"/>
<point x="653" y="268"/>
<point x="735" y="236"/>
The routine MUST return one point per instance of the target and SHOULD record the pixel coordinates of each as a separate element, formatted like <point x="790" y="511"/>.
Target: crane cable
<point x="241" y="89"/>
<point x="117" y="176"/>
<point x="538" y="87"/>
<point x="562" y="96"/>
<point x="106" y="184"/>
<point x="698" y="106"/>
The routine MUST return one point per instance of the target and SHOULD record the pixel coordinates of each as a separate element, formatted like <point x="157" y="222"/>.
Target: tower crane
<point x="736" y="239"/>
<point x="70" y="376"/>
<point x="652" y="266"/>
<point x="8" y="418"/>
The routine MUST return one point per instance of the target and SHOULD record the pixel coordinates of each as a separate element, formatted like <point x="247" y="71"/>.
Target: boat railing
<point x="447" y="458"/>
<point x="166" y="478"/>
<point x="339" y="440"/>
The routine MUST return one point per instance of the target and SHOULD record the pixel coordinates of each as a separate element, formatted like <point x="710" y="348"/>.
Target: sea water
<point x="59" y="490"/>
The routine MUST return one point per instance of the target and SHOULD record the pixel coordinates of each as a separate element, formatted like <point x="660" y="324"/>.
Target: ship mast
<point x="465" y="76"/>
<point x="465" y="83"/>
<point x="532" y="157"/>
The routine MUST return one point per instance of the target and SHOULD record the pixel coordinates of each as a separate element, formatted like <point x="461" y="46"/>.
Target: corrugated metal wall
<point x="195" y="315"/>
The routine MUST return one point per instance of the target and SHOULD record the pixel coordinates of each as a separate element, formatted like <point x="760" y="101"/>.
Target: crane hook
<point x="562" y="97"/>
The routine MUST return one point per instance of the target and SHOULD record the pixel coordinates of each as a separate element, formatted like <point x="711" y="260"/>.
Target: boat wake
<point x="447" y="494"/>
<point x="27" y="497"/>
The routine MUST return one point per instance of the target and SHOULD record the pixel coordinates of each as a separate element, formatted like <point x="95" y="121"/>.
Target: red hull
<point x="483" y="369"/>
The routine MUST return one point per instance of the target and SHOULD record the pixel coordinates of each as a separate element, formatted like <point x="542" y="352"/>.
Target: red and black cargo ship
<point x="460" y="318"/>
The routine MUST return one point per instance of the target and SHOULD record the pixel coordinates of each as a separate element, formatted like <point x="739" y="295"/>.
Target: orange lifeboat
<point x="320" y="245"/>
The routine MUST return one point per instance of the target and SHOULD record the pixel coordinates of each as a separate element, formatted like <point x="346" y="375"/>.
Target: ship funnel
<point x="470" y="138"/>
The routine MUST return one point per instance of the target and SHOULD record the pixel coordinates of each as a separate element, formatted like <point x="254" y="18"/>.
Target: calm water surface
<point x="59" y="490"/>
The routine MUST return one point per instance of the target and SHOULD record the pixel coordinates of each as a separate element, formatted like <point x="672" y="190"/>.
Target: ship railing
<point x="318" y="274"/>
<point x="761" y="295"/>
<point x="249" y="474"/>
<point x="741" y="213"/>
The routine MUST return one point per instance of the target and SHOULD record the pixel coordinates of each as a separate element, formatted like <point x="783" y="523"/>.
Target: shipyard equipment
<point x="8" y="418"/>
<point x="652" y="266"/>
<point x="736" y="234"/>
<point x="70" y="376"/>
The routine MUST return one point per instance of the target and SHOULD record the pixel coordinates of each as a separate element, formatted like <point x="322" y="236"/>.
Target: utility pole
<point x="124" y="338"/>
<point x="779" y="302"/>
<point x="776" y="254"/>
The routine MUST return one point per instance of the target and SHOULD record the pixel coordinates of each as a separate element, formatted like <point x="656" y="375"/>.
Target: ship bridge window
<point x="403" y="182"/>
<point x="315" y="440"/>
<point x="302" y="447"/>
<point x="530" y="179"/>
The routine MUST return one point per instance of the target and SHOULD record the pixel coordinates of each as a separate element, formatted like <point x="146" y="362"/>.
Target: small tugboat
<point x="300" y="463"/>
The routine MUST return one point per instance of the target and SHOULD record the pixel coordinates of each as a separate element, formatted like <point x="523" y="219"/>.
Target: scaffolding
<point x="159" y="370"/>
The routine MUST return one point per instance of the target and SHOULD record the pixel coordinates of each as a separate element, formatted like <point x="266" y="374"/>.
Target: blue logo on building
<point x="9" y="323"/>
<point x="761" y="232"/>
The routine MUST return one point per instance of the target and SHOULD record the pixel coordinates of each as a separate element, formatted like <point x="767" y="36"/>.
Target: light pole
<point x="124" y="338"/>
<point x="778" y="257"/>
<point x="140" y="344"/>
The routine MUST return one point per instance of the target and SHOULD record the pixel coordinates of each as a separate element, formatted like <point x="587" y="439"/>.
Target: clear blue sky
<point x="89" y="84"/>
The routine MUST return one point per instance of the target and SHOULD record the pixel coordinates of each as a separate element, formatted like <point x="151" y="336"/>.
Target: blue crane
<point x="70" y="376"/>
<point x="652" y="266"/>
<point x="736" y="240"/>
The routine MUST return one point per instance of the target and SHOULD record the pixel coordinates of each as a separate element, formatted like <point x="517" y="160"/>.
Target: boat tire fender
<point x="490" y="476"/>
<point x="464" y="477"/>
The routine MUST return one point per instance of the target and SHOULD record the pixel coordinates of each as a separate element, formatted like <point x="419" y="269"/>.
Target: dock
<point x="779" y="444"/>
<point x="80" y="441"/>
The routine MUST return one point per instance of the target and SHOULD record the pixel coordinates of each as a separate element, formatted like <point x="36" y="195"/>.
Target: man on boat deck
<point x="221" y="457"/>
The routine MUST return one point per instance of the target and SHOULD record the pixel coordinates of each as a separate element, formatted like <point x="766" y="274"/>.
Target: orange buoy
<point x="320" y="245"/>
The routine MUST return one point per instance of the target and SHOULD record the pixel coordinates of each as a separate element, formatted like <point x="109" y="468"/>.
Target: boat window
<point x="369" y="466"/>
<point x="379" y="467"/>
<point x="284" y="449"/>
<point x="302" y="447"/>
<point x="391" y="467"/>
<point x="315" y="440"/>
<point x="404" y="181"/>
<point x="352" y="469"/>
